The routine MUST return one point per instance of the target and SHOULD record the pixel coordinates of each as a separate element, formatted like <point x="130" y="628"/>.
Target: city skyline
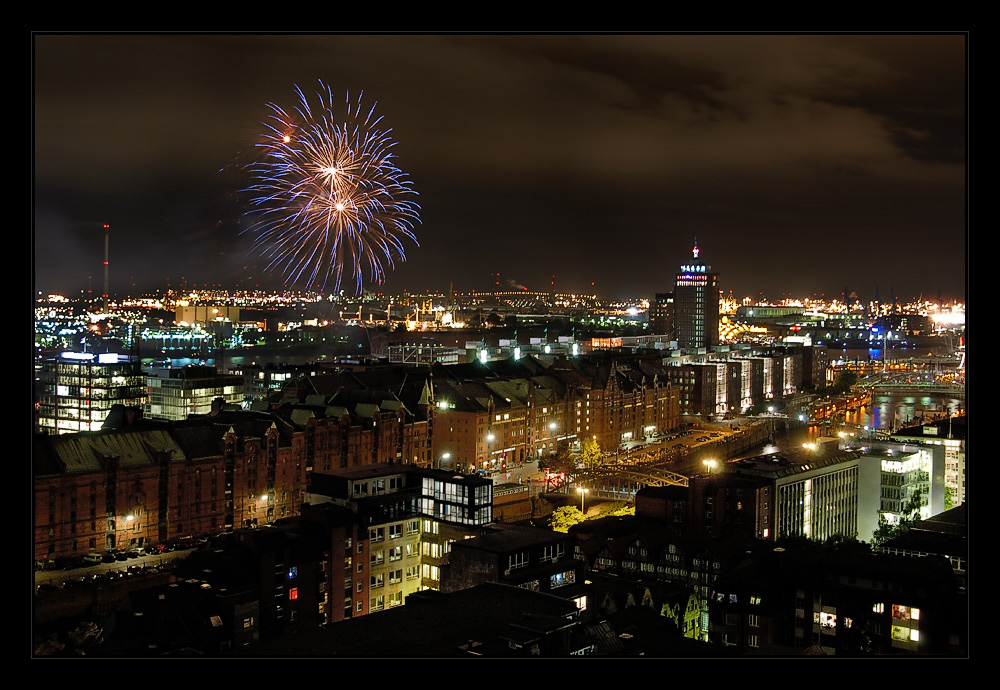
<point x="802" y="164"/>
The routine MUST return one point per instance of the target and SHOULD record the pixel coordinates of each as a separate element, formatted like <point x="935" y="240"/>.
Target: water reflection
<point x="895" y="411"/>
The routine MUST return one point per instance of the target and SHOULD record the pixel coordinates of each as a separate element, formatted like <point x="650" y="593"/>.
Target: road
<point x="58" y="578"/>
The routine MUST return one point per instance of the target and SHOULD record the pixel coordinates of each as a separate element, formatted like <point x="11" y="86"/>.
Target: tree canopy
<point x="565" y="517"/>
<point x="591" y="454"/>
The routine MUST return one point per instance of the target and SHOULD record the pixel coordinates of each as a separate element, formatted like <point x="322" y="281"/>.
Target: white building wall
<point x="887" y="458"/>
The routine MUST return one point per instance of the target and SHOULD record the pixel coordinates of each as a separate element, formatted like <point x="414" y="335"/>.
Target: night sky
<point x="803" y="164"/>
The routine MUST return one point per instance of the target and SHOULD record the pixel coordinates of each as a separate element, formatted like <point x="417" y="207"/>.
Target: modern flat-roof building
<point x="905" y="469"/>
<point x="79" y="389"/>
<point x="950" y="434"/>
<point x="177" y="393"/>
<point x="816" y="493"/>
<point x="412" y="516"/>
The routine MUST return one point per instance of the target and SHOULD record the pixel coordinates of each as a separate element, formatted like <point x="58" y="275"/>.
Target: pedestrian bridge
<point x="620" y="483"/>
<point x="916" y="388"/>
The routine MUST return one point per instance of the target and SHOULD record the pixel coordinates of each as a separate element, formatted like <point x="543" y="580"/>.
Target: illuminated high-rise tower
<point x="696" y="304"/>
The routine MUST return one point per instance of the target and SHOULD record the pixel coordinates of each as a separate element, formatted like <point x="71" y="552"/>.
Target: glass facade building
<point x="78" y="390"/>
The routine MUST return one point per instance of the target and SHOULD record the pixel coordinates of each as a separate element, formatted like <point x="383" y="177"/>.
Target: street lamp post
<point x="709" y="465"/>
<point x="583" y="493"/>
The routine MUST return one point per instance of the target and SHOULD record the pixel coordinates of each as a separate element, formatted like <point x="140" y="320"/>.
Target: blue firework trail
<point x="329" y="203"/>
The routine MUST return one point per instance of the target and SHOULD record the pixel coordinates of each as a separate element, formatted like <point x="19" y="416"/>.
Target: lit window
<point x="561" y="579"/>
<point x="517" y="560"/>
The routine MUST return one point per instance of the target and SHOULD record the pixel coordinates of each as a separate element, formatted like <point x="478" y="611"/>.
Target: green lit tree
<point x="565" y="517"/>
<point x="591" y="454"/>
<point x="618" y="508"/>
<point x="949" y="498"/>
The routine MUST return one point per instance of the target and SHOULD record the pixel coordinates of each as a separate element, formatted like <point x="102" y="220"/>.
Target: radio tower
<point x="107" y="230"/>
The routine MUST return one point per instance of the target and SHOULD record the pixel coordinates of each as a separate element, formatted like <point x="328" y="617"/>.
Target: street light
<point x="709" y="465"/>
<point x="553" y="444"/>
<point x="583" y="493"/>
<point x="445" y="456"/>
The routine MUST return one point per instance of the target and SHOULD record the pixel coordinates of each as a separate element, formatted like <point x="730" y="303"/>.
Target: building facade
<point x="661" y="314"/>
<point x="78" y="390"/>
<point x="177" y="393"/>
<point x="696" y="305"/>
<point x="412" y="517"/>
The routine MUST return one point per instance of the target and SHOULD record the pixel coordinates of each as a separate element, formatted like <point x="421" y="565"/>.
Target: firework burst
<point x="329" y="203"/>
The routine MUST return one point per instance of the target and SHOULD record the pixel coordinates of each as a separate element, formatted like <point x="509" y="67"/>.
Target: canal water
<point x="893" y="410"/>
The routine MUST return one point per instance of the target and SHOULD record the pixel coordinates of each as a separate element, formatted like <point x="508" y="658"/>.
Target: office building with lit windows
<point x="950" y="435"/>
<point x="78" y="389"/>
<point x="177" y="393"/>
<point x="412" y="516"/>
<point x="907" y="470"/>
<point x="696" y="305"/>
<point x="815" y="493"/>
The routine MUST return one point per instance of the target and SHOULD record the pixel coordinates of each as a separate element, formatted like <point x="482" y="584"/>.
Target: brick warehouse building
<point x="157" y="481"/>
<point x="151" y="481"/>
<point x="502" y="414"/>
